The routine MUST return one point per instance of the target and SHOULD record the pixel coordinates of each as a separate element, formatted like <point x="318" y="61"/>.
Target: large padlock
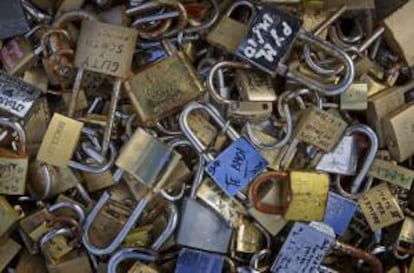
<point x="166" y="90"/>
<point x="398" y="132"/>
<point x="399" y="38"/>
<point x="382" y="103"/>
<point x="258" y="109"/>
<point x="14" y="165"/>
<point x="237" y="165"/>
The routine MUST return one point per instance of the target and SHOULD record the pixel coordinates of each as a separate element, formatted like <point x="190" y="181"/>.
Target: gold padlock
<point x="13" y="166"/>
<point x="8" y="250"/>
<point x="398" y="132"/>
<point x="159" y="91"/>
<point x="380" y="207"/>
<point x="106" y="48"/>
<point x="383" y="103"/>
<point x="8" y="217"/>
<point x="355" y="98"/>
<point x="60" y="141"/>
<point x="387" y="171"/>
<point x="202" y="128"/>
<point x="248" y="237"/>
<point x="80" y="261"/>
<point x="254" y="85"/>
<point x="399" y="38"/>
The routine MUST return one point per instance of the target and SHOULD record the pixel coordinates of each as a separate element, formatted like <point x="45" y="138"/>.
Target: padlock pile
<point x="188" y="136"/>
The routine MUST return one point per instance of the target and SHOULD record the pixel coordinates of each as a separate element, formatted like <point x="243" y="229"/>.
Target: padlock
<point x="16" y="96"/>
<point x="45" y="181"/>
<point x="166" y="90"/>
<point x="30" y="263"/>
<point x="163" y="157"/>
<point x="320" y="129"/>
<point x="398" y="132"/>
<point x="13" y="165"/>
<point x="17" y="55"/>
<point x="297" y="189"/>
<point x="131" y="254"/>
<point x="398" y="38"/>
<point x="381" y="104"/>
<point x="229" y="33"/>
<point x="303" y="250"/>
<point x="196" y="261"/>
<point x="269" y="38"/>
<point x="248" y="237"/>
<point x="254" y="86"/>
<point x="202" y="128"/>
<point x="229" y="208"/>
<point x="339" y="212"/>
<point x="105" y="48"/>
<point x="60" y="141"/>
<point x="387" y="171"/>
<point x="55" y="245"/>
<point x="14" y="21"/>
<point x="355" y="98"/>
<point x="8" y="250"/>
<point x="356" y="187"/>
<point x="98" y="181"/>
<point x="342" y="160"/>
<point x="193" y="232"/>
<point x="9" y="217"/>
<point x="79" y="261"/>
<point x="239" y="109"/>
<point x="36" y="77"/>
<point x="237" y="165"/>
<point x="380" y="207"/>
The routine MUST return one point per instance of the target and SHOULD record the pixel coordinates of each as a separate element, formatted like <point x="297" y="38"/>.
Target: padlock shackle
<point x="116" y="242"/>
<point x="18" y="128"/>
<point x="71" y="16"/>
<point x="374" y="262"/>
<point x="215" y="115"/>
<point x="77" y="209"/>
<point x="326" y="89"/>
<point x="163" y="31"/>
<point x="169" y="229"/>
<point x="96" y="168"/>
<point x="211" y="76"/>
<point x="255" y="260"/>
<point x="129" y="254"/>
<point x="363" y="172"/>
<point x="278" y="143"/>
<point x="240" y="3"/>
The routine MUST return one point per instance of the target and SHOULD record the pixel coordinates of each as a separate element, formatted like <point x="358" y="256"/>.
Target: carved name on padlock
<point x="387" y="171"/>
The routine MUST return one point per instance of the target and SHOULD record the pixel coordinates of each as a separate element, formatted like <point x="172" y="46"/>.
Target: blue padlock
<point x="237" y="165"/>
<point x="339" y="212"/>
<point x="195" y="261"/>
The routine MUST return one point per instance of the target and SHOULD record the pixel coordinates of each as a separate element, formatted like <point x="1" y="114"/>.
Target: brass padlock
<point x="380" y="207"/>
<point x="254" y="85"/>
<point x="387" y="171"/>
<point x="74" y="260"/>
<point x="8" y="217"/>
<point x="166" y="89"/>
<point x="60" y="141"/>
<point x="248" y="237"/>
<point x="399" y="38"/>
<point x="8" y="250"/>
<point x="105" y="48"/>
<point x="383" y="103"/>
<point x="398" y="132"/>
<point x="229" y="33"/>
<point x="355" y="98"/>
<point x="13" y="165"/>
<point x="202" y="128"/>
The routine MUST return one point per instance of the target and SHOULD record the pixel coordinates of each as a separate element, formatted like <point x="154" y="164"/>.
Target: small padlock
<point x="60" y="141"/>
<point x="303" y="250"/>
<point x="380" y="207"/>
<point x="239" y="109"/>
<point x="398" y="132"/>
<point x="166" y="90"/>
<point x="387" y="171"/>
<point x="355" y="98"/>
<point x="131" y="254"/>
<point x="229" y="33"/>
<point x="237" y="165"/>
<point x="9" y="217"/>
<point x="199" y="262"/>
<point x="16" y="96"/>
<point x="14" y="165"/>
<point x="8" y="250"/>
<point x="254" y="85"/>
<point x="14" y="21"/>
